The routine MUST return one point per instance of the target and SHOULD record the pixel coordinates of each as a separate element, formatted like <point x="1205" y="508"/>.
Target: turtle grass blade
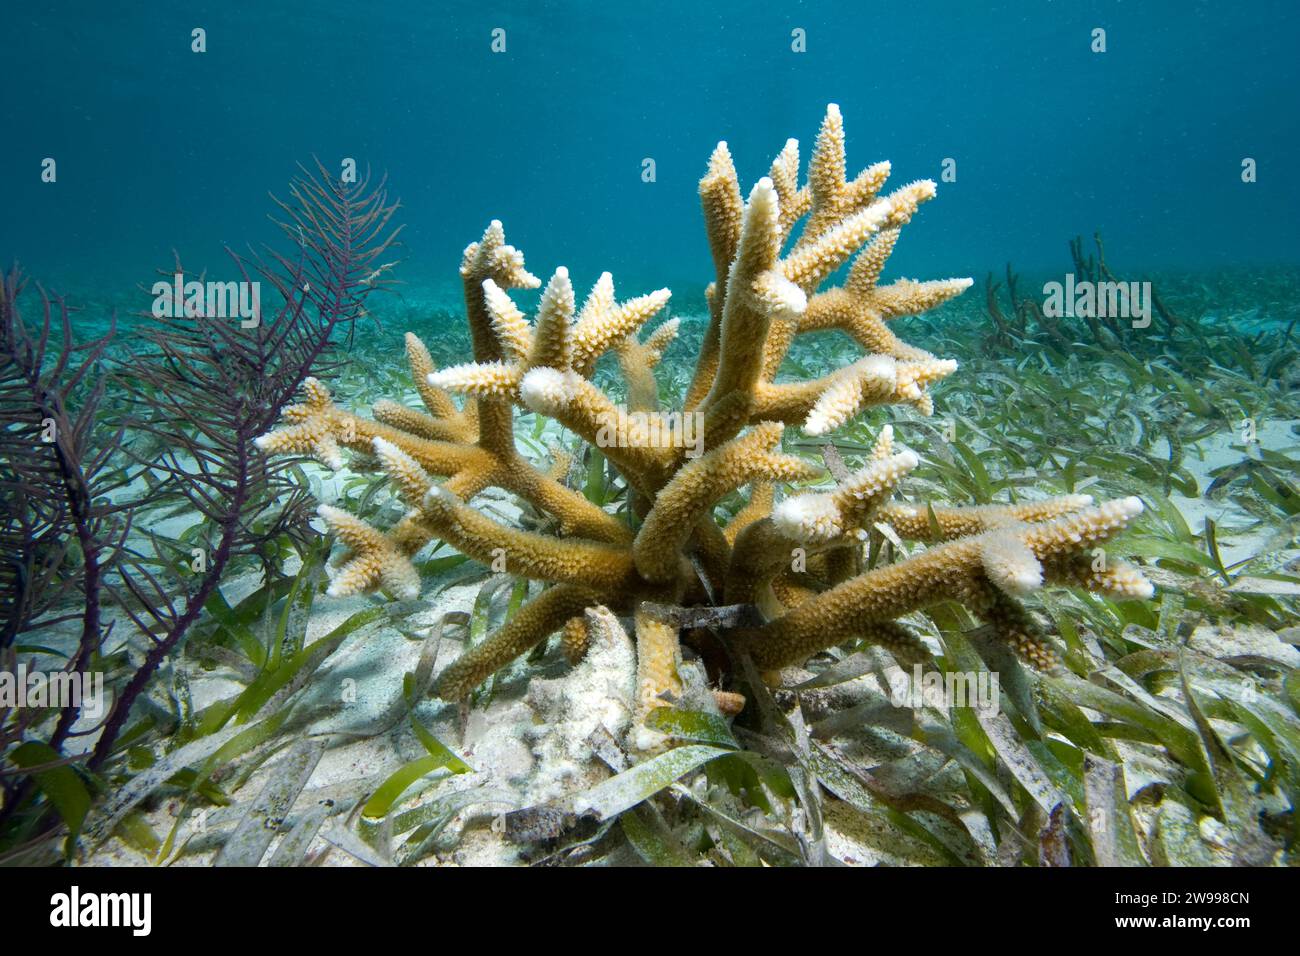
<point x="1109" y="822"/>
<point x="1236" y="804"/>
<point x="255" y="830"/>
<point x="391" y="790"/>
<point x="612" y="797"/>
<point x="647" y="834"/>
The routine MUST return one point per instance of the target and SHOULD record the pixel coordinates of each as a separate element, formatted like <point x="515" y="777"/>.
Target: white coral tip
<point x="391" y="456"/>
<point x="922" y="189"/>
<point x="763" y="195"/>
<point x="807" y="518"/>
<point x="1130" y="506"/>
<point x="546" y="390"/>
<point x="1020" y="581"/>
<point x="402" y="582"/>
<point x="818" y="423"/>
<point x="1011" y="565"/>
<point x="881" y="368"/>
<point x="437" y="496"/>
<point x="785" y="299"/>
<point x="1070" y="503"/>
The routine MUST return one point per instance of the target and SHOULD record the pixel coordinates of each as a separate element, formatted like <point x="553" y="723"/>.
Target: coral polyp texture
<point x="795" y="556"/>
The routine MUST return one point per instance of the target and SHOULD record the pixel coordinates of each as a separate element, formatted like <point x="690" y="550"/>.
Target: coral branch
<point x="795" y="562"/>
<point x="536" y="620"/>
<point x="953" y="571"/>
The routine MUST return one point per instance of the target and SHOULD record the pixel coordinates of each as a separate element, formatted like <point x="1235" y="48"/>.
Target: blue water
<point x="160" y="148"/>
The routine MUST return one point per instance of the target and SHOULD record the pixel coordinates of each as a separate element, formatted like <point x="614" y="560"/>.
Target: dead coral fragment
<point x="796" y="560"/>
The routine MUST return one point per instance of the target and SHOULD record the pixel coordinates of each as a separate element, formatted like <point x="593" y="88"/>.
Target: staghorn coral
<point x="797" y="559"/>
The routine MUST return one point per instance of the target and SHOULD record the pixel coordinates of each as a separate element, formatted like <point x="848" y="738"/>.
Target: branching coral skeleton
<point x="797" y="559"/>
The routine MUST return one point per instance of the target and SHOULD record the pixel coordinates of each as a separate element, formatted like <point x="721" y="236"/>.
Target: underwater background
<point x="1093" y="141"/>
<point x="160" y="148"/>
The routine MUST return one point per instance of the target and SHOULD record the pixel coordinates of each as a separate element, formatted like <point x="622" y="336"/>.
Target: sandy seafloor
<point x="529" y="746"/>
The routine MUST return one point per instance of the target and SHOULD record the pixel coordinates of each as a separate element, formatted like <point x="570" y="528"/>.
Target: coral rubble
<point x="798" y="560"/>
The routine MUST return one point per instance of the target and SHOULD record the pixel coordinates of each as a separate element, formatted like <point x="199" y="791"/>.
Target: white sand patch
<point x="1239" y="534"/>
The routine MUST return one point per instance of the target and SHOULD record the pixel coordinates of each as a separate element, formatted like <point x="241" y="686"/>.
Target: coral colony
<point x="797" y="558"/>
